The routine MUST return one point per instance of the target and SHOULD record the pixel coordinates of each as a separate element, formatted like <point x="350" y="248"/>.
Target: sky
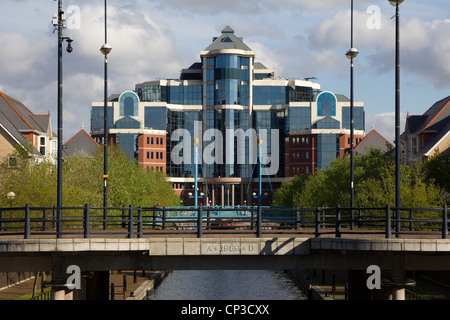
<point x="154" y="39"/>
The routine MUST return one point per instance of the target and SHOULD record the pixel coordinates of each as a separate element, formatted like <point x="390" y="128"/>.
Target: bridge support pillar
<point x="97" y="286"/>
<point x="59" y="280"/>
<point x="393" y="284"/>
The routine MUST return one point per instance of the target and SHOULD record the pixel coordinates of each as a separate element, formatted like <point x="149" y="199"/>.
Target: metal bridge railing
<point x="134" y="222"/>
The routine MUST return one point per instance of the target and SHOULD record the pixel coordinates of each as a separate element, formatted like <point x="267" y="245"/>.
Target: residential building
<point x="19" y="126"/>
<point x="81" y="145"/>
<point x="373" y="140"/>
<point x="241" y="114"/>
<point x="425" y="134"/>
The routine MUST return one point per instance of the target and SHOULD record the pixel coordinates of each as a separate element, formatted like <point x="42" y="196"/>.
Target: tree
<point x="374" y="185"/>
<point x="437" y="169"/>
<point x="34" y="182"/>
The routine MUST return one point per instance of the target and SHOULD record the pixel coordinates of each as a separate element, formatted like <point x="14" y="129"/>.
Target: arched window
<point x="129" y="104"/>
<point x="326" y="105"/>
<point x="128" y="107"/>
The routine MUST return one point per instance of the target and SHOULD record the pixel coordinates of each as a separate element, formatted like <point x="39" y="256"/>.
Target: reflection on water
<point x="228" y="285"/>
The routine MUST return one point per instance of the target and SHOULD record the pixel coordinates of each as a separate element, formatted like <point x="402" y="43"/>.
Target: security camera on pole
<point x="58" y="24"/>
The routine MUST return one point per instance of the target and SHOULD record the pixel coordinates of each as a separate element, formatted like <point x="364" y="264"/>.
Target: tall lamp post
<point x="105" y="50"/>
<point x="396" y="4"/>
<point x="58" y="24"/>
<point x="351" y="54"/>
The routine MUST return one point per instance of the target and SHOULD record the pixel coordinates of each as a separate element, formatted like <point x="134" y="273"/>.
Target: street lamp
<point x="58" y="24"/>
<point x="11" y="196"/>
<point x="105" y="50"/>
<point x="396" y="4"/>
<point x="351" y="55"/>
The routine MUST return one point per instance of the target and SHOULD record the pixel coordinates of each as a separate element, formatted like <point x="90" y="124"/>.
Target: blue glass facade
<point x="181" y="120"/>
<point x="156" y="118"/>
<point x="97" y="118"/>
<point x="241" y="95"/>
<point x="129" y="144"/>
<point x="327" y="149"/>
<point x="358" y="118"/>
<point x="299" y="118"/>
<point x="231" y="154"/>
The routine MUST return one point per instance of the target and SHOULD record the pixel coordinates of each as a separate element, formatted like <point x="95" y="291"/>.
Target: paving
<point x="23" y="290"/>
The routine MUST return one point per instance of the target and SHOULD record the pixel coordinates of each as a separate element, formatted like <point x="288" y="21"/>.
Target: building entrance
<point x="227" y="195"/>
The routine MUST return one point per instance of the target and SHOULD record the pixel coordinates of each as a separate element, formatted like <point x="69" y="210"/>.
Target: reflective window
<point x="327" y="149"/>
<point x="127" y="123"/>
<point x="358" y="118"/>
<point x="152" y="93"/>
<point x="327" y="123"/>
<point x="129" y="144"/>
<point x="181" y="120"/>
<point x="326" y="105"/>
<point x="299" y="118"/>
<point x="129" y="104"/>
<point x="301" y="94"/>
<point x="270" y="95"/>
<point x="185" y="95"/>
<point x="156" y="118"/>
<point x="97" y="118"/>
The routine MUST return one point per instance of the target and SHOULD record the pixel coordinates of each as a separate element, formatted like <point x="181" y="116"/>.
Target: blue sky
<point x="297" y="38"/>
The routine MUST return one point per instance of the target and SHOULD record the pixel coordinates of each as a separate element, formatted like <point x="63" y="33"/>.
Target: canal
<point x="228" y="285"/>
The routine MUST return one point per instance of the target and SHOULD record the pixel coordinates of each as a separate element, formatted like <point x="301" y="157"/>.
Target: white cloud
<point x="384" y="123"/>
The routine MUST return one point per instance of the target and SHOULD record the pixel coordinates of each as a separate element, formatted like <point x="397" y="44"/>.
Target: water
<point x="228" y="285"/>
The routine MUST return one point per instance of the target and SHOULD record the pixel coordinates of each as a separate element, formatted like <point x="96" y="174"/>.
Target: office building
<point x="240" y="112"/>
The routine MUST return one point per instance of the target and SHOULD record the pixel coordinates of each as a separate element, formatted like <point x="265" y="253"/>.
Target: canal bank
<point x="148" y="287"/>
<point x="318" y="290"/>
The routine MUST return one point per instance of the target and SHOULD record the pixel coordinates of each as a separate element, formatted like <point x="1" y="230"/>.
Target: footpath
<point x="138" y="285"/>
<point x="332" y="286"/>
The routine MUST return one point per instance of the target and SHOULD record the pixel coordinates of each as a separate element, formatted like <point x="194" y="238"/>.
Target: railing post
<point x="54" y="217"/>
<point x="164" y="218"/>
<point x="388" y="221"/>
<point x="200" y="222"/>
<point x="44" y="220"/>
<point x="124" y="216"/>
<point x="130" y="223"/>
<point x="397" y="223"/>
<point x="359" y="217"/>
<point x="411" y="223"/>
<point x="297" y="218"/>
<point x="87" y="222"/>
<point x="444" y="223"/>
<point x="259" y="223"/>
<point x="58" y="222"/>
<point x="140" y="223"/>
<point x="338" y="221"/>
<point x="317" y="232"/>
<point x="208" y="219"/>
<point x="112" y="291"/>
<point x="2" y="217"/>
<point x="352" y="219"/>
<point x="27" y="222"/>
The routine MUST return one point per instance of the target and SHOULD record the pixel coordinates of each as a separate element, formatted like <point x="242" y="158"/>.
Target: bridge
<point x="395" y="240"/>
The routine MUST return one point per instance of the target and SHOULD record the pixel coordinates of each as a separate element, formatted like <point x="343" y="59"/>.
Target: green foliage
<point x="374" y="176"/>
<point x="34" y="183"/>
<point x="437" y="169"/>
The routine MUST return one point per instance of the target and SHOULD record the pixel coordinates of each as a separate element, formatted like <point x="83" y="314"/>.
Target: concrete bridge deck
<point x="394" y="257"/>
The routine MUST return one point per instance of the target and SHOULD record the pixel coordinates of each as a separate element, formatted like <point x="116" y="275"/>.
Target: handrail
<point x="133" y="221"/>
